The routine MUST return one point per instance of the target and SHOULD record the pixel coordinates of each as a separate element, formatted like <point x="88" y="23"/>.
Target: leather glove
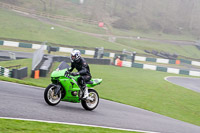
<point x="75" y="74"/>
<point x="66" y="73"/>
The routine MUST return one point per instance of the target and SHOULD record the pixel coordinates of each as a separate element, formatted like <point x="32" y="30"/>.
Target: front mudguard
<point x="57" y="89"/>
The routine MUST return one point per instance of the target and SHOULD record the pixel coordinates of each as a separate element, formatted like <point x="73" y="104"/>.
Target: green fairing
<point x="95" y="82"/>
<point x="70" y="85"/>
<point x="60" y="73"/>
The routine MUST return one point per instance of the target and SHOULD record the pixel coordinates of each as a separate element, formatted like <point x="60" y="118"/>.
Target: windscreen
<point x="63" y="65"/>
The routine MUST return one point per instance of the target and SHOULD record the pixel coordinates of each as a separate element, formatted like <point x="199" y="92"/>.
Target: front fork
<point x="57" y="89"/>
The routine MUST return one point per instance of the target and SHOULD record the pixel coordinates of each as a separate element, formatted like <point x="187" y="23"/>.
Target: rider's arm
<point x="84" y="69"/>
<point x="72" y="67"/>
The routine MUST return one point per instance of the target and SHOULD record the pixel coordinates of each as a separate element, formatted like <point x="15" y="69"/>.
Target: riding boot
<point x="85" y="92"/>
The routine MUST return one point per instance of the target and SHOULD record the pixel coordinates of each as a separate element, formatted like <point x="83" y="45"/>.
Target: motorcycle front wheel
<point x="49" y="96"/>
<point x="92" y="101"/>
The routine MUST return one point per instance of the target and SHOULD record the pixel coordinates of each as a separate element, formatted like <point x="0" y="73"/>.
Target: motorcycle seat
<point x="89" y="82"/>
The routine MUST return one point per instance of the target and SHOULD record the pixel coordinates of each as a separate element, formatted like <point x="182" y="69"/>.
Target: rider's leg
<point x="82" y="84"/>
<point x="86" y="79"/>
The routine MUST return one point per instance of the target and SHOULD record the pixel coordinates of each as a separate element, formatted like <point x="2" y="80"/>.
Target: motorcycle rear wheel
<point x="91" y="104"/>
<point x="49" y="96"/>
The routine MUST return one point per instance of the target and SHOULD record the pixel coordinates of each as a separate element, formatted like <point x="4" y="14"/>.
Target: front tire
<point x="91" y="104"/>
<point x="49" y="95"/>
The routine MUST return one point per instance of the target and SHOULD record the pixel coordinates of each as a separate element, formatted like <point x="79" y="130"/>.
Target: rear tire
<point x="49" y="96"/>
<point x="88" y="104"/>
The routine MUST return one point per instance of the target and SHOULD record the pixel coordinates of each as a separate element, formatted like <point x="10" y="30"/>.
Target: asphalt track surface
<point x="21" y="101"/>
<point x="190" y="83"/>
<point x="5" y="53"/>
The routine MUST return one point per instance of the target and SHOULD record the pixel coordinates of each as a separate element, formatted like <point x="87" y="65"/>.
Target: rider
<point x="83" y="70"/>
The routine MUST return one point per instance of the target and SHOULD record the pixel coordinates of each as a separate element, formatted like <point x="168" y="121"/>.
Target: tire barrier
<point x="162" y="54"/>
<point x="20" y="73"/>
<point x="5" y="72"/>
<point x="14" y="73"/>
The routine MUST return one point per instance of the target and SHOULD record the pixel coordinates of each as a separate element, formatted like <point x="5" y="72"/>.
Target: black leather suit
<point x="84" y="71"/>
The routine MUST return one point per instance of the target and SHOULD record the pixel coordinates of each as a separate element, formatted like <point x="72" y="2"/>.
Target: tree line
<point x="165" y="16"/>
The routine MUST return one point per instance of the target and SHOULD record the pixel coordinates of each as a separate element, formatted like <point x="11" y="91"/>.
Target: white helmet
<point x="75" y="55"/>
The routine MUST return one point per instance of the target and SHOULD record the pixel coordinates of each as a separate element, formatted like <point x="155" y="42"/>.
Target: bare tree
<point x="44" y="5"/>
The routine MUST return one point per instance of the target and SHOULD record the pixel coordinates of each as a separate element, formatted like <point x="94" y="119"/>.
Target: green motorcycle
<point x="64" y="87"/>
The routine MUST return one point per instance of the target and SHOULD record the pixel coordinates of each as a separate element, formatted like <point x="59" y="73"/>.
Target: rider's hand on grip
<point x="66" y="73"/>
<point x="75" y="74"/>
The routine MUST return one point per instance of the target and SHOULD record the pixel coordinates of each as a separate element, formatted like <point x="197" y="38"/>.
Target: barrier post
<point x="37" y="74"/>
<point x="178" y="62"/>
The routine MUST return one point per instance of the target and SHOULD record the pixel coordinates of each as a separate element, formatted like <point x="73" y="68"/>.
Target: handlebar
<point x="67" y="73"/>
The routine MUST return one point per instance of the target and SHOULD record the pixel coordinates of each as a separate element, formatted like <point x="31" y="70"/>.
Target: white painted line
<point x="6" y="70"/>
<point x="10" y="43"/>
<point x="126" y="63"/>
<point x="115" y="63"/>
<point x="67" y="50"/>
<point x="194" y="73"/>
<point x="140" y="58"/>
<point x="89" y="52"/>
<point x="77" y="124"/>
<point x="112" y="55"/>
<point x="173" y="70"/>
<point x="166" y="78"/>
<point x="6" y="75"/>
<point x="36" y="46"/>
<point x="179" y="77"/>
<point x="45" y="47"/>
<point x="195" y="63"/>
<point x="151" y="67"/>
<point x="165" y="61"/>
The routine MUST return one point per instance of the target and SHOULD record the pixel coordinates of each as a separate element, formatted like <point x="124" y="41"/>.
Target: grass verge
<point x="19" y="126"/>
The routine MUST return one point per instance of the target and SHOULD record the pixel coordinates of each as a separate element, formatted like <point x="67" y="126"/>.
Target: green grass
<point x="19" y="126"/>
<point x="153" y="35"/>
<point x="83" y="27"/>
<point x="184" y="50"/>
<point x="19" y="27"/>
<point x="140" y="88"/>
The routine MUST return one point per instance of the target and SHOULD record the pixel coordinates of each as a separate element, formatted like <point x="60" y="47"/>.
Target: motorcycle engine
<point x="74" y="93"/>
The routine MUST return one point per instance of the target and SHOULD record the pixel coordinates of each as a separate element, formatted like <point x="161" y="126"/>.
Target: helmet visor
<point x="73" y="57"/>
